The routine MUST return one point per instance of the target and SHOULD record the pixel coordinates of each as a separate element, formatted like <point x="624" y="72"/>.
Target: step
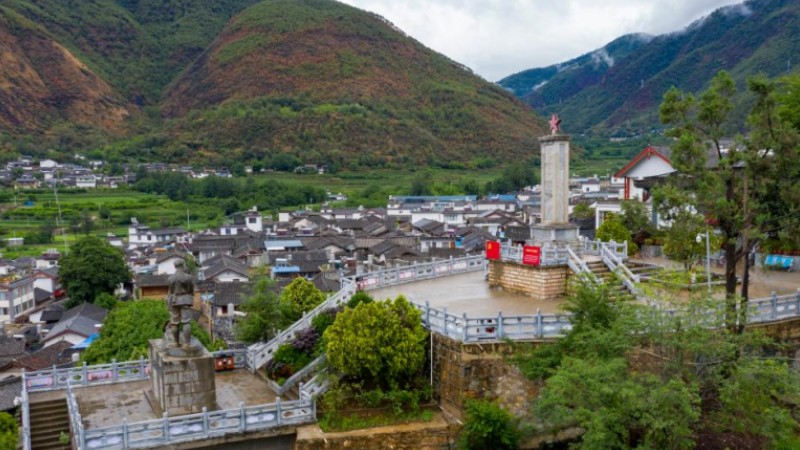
<point x="50" y="417"/>
<point x="49" y="429"/>
<point x="48" y="404"/>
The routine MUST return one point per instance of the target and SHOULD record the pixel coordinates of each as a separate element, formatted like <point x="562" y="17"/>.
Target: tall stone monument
<point x="554" y="227"/>
<point x="181" y="369"/>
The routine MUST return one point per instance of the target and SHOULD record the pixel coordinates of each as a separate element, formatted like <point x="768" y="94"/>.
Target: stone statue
<point x="178" y="331"/>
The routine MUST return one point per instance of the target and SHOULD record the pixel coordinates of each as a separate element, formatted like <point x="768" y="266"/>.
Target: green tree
<point x="106" y="301"/>
<point x="635" y="216"/>
<point x="301" y="296"/>
<point x="612" y="229"/>
<point x="265" y="313"/>
<point x="487" y="425"/>
<point x="9" y="434"/>
<point x="91" y="267"/>
<point x="86" y="222"/>
<point x="749" y="189"/>
<point x="382" y="342"/>
<point x="127" y="330"/>
<point x="583" y="211"/>
<point x="680" y="241"/>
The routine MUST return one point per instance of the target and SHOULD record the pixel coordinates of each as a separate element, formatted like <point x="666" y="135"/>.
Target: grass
<point x="339" y="422"/>
<point x="391" y="180"/>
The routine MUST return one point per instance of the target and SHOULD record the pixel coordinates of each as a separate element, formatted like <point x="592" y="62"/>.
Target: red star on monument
<point x="554" y="124"/>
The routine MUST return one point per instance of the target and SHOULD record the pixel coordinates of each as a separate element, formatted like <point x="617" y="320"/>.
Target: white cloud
<point x="496" y="38"/>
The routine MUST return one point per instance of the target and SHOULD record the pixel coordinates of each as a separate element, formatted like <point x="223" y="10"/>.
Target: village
<point x="333" y="246"/>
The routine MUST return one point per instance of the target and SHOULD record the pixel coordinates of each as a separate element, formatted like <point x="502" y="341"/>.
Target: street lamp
<point x="699" y="239"/>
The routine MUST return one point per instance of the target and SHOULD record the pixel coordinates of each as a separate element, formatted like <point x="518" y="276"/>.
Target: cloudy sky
<point x="496" y="38"/>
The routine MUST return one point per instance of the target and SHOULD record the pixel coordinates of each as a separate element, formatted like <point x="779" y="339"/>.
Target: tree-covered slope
<point x="325" y="80"/>
<point x="43" y="83"/>
<point x="758" y="36"/>
<point x="214" y="80"/>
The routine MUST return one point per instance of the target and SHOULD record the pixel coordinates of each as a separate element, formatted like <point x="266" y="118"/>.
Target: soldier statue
<point x="181" y="297"/>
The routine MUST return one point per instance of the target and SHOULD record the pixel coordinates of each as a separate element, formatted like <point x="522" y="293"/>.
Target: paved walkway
<point x="470" y="293"/>
<point x="107" y="405"/>
<point x="762" y="281"/>
<point x="467" y="293"/>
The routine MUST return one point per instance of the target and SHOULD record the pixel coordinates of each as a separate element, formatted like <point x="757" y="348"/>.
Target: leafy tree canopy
<point x="8" y="431"/>
<point x="301" y="296"/>
<point x="382" y="343"/>
<point x="612" y="229"/>
<point x="127" y="329"/>
<point x="749" y="188"/>
<point x="91" y="267"/>
<point x="266" y="314"/>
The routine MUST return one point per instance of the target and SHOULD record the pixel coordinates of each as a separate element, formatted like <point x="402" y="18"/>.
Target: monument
<point x="554" y="227"/>
<point x="181" y="369"/>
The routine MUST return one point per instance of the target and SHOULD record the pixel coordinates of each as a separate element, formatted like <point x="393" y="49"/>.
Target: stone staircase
<point x="603" y="274"/>
<point x="48" y="419"/>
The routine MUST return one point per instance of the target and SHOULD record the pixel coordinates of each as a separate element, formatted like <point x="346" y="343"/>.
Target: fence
<point x="205" y="425"/>
<point x="289" y="383"/>
<point x="260" y="353"/>
<point x="63" y="378"/>
<point x="540" y="326"/>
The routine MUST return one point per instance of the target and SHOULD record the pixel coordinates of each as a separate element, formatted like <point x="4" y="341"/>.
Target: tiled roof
<point x="236" y="293"/>
<point x="223" y="265"/>
<point x="148" y="280"/>
<point x="10" y="388"/>
<point x="80" y="320"/>
<point x="45" y="358"/>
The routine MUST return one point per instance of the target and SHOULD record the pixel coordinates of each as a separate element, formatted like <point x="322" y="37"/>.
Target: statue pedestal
<point x="557" y="234"/>
<point x="182" y="379"/>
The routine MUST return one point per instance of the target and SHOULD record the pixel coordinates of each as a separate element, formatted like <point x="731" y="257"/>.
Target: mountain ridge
<point x="757" y="36"/>
<point x="317" y="79"/>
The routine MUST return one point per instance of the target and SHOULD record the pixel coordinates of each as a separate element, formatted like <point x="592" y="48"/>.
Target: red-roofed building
<point x="650" y="162"/>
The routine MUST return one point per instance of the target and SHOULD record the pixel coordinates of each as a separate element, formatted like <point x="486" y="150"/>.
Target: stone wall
<point x="434" y="435"/>
<point x="479" y="370"/>
<point x="540" y="283"/>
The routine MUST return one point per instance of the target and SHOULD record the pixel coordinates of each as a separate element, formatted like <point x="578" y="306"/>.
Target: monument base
<point x="559" y="234"/>
<point x="183" y="379"/>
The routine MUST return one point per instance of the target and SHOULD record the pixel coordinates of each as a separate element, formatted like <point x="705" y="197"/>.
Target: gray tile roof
<point x="80" y="320"/>
<point x="223" y="265"/>
<point x="10" y="388"/>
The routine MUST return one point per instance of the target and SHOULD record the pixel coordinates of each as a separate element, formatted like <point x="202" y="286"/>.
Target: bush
<point x="382" y="343"/>
<point x="286" y="361"/>
<point x="488" y="426"/>
<point x="323" y="320"/>
<point x="359" y="298"/>
<point x="612" y="229"/>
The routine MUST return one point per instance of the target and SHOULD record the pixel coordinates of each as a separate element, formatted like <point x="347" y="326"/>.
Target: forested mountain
<point x="758" y="36"/>
<point x="214" y="80"/>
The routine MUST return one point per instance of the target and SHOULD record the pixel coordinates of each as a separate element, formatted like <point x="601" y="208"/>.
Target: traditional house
<point x="152" y="286"/>
<point x="649" y="162"/>
<point x="76" y="324"/>
<point x="225" y="269"/>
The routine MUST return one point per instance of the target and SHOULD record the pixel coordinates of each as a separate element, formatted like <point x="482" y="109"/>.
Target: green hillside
<point x="758" y="36"/>
<point x="214" y="81"/>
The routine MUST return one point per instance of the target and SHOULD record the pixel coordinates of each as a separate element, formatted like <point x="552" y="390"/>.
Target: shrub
<point x="359" y="298"/>
<point x="487" y="425"/>
<point x="380" y="342"/>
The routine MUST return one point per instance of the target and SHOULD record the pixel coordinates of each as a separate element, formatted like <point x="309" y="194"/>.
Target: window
<point x="251" y="220"/>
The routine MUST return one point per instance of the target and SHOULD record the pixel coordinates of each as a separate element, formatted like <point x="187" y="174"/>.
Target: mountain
<point x="758" y="36"/>
<point x="213" y="81"/>
<point x="43" y="83"/>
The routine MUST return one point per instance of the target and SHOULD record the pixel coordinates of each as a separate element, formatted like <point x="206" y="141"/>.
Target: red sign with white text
<point x="531" y="255"/>
<point x="492" y="250"/>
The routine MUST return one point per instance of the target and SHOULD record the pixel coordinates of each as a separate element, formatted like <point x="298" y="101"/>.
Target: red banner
<point x="531" y="255"/>
<point x="492" y="250"/>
